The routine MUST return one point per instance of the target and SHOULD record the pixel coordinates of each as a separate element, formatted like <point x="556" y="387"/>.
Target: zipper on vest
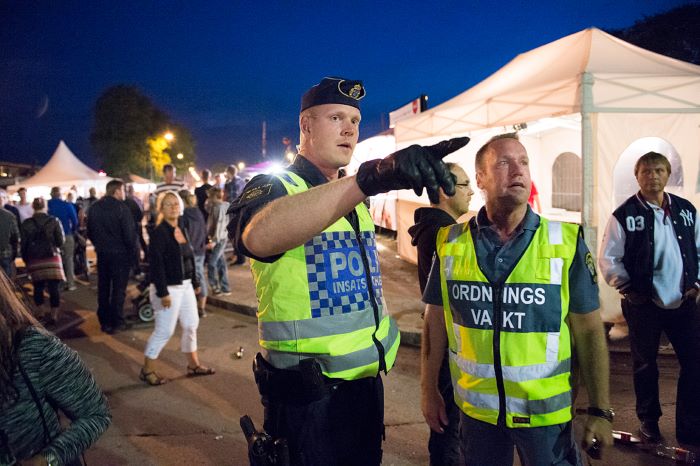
<point x="498" y="367"/>
<point x="372" y="298"/>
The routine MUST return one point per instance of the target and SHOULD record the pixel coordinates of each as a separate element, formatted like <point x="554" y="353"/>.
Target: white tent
<point x="588" y="97"/>
<point x="64" y="169"/>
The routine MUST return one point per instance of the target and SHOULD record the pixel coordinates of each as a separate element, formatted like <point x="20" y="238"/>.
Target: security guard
<point x="323" y="324"/>
<point x="516" y="290"/>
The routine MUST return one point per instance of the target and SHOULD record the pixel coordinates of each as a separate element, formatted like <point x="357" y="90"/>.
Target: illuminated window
<point x="567" y="182"/>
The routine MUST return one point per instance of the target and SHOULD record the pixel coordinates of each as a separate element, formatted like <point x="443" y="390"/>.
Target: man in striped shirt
<point x="169" y="184"/>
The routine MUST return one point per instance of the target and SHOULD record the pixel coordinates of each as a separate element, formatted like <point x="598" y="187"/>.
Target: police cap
<point x="334" y="91"/>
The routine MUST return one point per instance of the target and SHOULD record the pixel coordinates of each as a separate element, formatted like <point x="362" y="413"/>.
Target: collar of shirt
<point x="530" y="222"/>
<point x="307" y="170"/>
<point x="665" y="205"/>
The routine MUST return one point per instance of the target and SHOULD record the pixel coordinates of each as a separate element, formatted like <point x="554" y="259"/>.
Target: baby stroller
<point x="142" y="303"/>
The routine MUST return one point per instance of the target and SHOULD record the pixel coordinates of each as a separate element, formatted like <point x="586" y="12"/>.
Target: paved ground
<point x="195" y="421"/>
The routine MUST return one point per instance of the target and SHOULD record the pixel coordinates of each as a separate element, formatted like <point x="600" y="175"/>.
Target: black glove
<point x="415" y="167"/>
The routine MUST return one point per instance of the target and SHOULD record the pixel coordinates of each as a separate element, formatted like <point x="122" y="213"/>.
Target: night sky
<point x="221" y="68"/>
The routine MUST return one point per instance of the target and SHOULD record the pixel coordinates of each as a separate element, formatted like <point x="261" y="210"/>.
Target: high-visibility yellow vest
<point x="324" y="300"/>
<point x="510" y="346"/>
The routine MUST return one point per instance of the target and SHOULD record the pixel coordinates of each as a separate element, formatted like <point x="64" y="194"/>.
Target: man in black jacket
<point x="443" y="447"/>
<point x="201" y="192"/>
<point x="136" y="209"/>
<point x="111" y="230"/>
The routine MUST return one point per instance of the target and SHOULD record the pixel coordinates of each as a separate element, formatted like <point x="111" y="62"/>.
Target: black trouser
<point x="54" y="292"/>
<point x="344" y="427"/>
<point x="445" y="448"/>
<point x="682" y="326"/>
<point x="143" y="246"/>
<point x="112" y="278"/>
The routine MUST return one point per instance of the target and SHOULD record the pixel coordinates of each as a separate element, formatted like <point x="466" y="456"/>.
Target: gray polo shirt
<point x="497" y="259"/>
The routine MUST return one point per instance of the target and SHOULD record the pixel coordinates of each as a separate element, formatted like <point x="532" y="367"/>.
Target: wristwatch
<point x="607" y="414"/>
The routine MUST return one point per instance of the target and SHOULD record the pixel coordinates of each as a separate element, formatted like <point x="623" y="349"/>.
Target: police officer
<point x="323" y="324"/>
<point x="514" y="289"/>
<point x="650" y="255"/>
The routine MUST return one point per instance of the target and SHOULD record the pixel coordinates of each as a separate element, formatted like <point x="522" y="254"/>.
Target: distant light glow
<point x="241" y="165"/>
<point x="102" y="173"/>
<point x="194" y="174"/>
<point x="275" y="167"/>
<point x="169" y="136"/>
<point x="179" y="156"/>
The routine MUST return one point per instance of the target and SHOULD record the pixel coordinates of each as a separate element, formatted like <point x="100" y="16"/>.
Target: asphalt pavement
<point x="193" y="421"/>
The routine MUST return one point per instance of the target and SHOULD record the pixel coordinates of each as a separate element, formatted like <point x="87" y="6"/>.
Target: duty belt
<point x="300" y="386"/>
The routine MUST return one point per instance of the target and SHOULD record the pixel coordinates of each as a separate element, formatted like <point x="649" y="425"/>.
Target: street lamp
<point x="241" y="165"/>
<point x="179" y="156"/>
<point x="169" y="136"/>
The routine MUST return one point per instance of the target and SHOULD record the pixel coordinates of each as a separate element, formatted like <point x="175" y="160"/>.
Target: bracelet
<point x="607" y="414"/>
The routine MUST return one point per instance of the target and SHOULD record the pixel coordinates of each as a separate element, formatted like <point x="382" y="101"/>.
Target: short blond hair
<point x="481" y="153"/>
<point x="161" y="199"/>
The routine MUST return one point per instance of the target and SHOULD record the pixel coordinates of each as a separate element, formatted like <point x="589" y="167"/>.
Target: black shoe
<point x="108" y="329"/>
<point x="649" y="431"/>
<point x="121" y="326"/>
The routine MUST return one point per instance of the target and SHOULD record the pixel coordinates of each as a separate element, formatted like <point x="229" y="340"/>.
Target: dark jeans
<point x="344" y="428"/>
<point x="216" y="268"/>
<point x="112" y="278"/>
<point x="54" y="292"/>
<point x="6" y="264"/>
<point x="682" y="326"/>
<point x="488" y="445"/>
<point x="444" y="448"/>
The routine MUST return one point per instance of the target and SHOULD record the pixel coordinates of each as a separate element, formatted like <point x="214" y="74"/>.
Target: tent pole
<point x="587" y="156"/>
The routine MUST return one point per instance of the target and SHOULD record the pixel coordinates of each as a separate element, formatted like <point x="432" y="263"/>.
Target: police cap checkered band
<point x="334" y="91"/>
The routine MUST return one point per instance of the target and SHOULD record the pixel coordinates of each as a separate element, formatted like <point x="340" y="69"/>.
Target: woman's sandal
<point x="152" y="378"/>
<point x="199" y="371"/>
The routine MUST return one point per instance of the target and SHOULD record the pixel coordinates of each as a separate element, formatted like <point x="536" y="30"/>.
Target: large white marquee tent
<point x="65" y="170"/>
<point x="588" y="96"/>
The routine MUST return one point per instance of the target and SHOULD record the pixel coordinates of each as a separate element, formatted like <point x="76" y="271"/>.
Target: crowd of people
<point x="50" y="235"/>
<point x="511" y="323"/>
<point x="36" y="369"/>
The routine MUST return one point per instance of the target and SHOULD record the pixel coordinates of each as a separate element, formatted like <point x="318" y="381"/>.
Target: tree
<point x="674" y="33"/>
<point x="157" y="147"/>
<point x="182" y="144"/>
<point x="128" y="134"/>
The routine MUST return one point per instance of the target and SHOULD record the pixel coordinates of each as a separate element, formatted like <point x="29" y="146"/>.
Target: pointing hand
<point x="415" y="167"/>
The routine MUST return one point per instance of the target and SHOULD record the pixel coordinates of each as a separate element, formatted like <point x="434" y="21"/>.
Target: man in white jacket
<point x="650" y="254"/>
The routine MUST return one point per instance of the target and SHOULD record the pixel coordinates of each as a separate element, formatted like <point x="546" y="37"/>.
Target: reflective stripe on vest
<point x="516" y="405"/>
<point x="339" y="364"/>
<point x="534" y="342"/>
<point x="314" y="301"/>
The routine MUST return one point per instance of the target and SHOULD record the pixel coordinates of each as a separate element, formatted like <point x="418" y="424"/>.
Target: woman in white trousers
<point x="172" y="291"/>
